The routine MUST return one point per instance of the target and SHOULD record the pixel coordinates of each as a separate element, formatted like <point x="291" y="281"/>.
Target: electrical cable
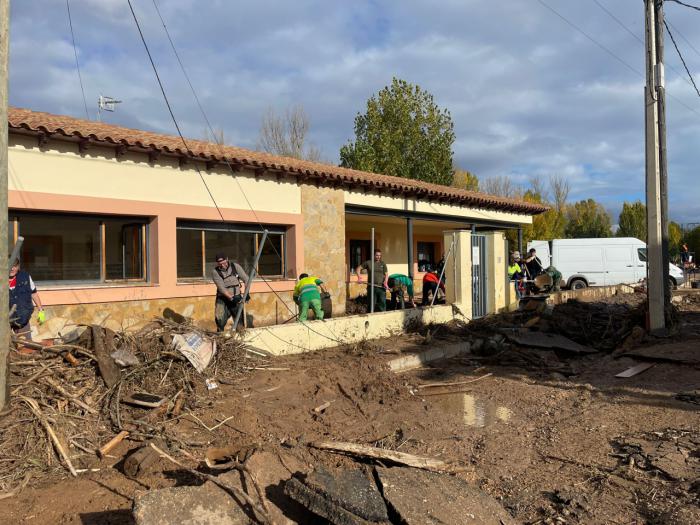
<point x="684" y="4"/>
<point x="690" y="45"/>
<point x="77" y="64"/>
<point x="638" y="39"/>
<point x="690" y="76"/>
<point x="568" y="22"/>
<point x="182" y="138"/>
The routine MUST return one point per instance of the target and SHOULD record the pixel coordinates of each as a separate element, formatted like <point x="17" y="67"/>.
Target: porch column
<point x="458" y="269"/>
<point x="409" y="242"/>
<point x="497" y="292"/>
<point x="520" y="240"/>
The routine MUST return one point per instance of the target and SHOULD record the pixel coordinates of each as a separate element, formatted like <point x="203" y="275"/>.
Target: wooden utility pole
<point x="4" y="298"/>
<point x="657" y="276"/>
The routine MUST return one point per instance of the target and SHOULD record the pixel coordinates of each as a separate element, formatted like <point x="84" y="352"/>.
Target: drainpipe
<point x="520" y="240"/>
<point x="409" y="238"/>
<point x="370" y="288"/>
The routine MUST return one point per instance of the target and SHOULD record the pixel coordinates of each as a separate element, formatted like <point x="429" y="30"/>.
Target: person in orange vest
<point x="431" y="283"/>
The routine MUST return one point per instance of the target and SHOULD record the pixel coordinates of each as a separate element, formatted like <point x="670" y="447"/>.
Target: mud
<point x="549" y="447"/>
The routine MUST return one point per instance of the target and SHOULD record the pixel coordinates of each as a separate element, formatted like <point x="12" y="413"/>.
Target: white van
<point x="599" y="262"/>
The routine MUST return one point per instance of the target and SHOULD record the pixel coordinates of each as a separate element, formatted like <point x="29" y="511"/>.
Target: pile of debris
<point x="290" y="485"/>
<point x="90" y="389"/>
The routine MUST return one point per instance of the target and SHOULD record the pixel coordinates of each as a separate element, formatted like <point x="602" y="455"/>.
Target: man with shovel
<point x="379" y="284"/>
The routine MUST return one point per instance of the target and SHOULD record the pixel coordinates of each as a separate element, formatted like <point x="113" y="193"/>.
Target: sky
<point x="529" y="94"/>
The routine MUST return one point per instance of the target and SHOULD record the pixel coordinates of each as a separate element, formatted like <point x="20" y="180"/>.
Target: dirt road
<point x="552" y="447"/>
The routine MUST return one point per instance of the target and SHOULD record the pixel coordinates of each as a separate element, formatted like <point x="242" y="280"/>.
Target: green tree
<point x="403" y="133"/>
<point x="465" y="180"/>
<point x="692" y="238"/>
<point x="587" y="218"/>
<point x="633" y="221"/>
<point x="675" y="236"/>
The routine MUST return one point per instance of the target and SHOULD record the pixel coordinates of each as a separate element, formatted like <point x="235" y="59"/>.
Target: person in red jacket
<point x="431" y="282"/>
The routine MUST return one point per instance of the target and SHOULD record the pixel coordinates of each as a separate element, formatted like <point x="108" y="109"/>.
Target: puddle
<point x="473" y="411"/>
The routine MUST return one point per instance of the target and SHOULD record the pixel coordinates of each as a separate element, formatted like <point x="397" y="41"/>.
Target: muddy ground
<point x="576" y="447"/>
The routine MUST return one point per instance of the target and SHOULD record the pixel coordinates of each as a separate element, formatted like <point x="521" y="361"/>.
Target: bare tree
<point x="501" y="185"/>
<point x="215" y="135"/>
<point x="286" y="134"/>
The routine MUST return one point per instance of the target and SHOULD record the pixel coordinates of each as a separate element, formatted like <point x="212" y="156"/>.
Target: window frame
<point x="14" y="232"/>
<point x="234" y="227"/>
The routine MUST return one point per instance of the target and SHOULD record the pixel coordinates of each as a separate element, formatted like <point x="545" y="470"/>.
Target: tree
<point x="633" y="221"/>
<point x="675" y="236"/>
<point x="692" y="239"/>
<point x="553" y="193"/>
<point x="501" y="186"/>
<point x="465" y="180"/>
<point x="403" y="133"/>
<point x="587" y="218"/>
<point x="286" y="134"/>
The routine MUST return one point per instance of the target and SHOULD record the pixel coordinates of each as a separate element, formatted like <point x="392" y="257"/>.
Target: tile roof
<point x="98" y="132"/>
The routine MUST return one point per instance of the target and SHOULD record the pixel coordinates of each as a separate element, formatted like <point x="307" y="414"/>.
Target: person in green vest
<point x="399" y="285"/>
<point x="306" y="295"/>
<point x="516" y="273"/>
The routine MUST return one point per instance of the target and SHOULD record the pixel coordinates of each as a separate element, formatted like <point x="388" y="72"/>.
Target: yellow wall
<point x="62" y="170"/>
<point x="410" y="204"/>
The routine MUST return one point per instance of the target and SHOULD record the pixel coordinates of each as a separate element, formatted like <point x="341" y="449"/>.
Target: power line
<point x="636" y="37"/>
<point x="678" y="32"/>
<point x="77" y="64"/>
<point x="690" y="76"/>
<point x="686" y="106"/>
<point x="589" y="37"/>
<point x="182" y="138"/>
<point x="684" y="4"/>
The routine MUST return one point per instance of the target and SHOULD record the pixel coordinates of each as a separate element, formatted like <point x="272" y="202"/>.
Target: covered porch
<point x="475" y="251"/>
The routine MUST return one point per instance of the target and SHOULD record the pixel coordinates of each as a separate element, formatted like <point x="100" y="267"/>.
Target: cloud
<point x="528" y="94"/>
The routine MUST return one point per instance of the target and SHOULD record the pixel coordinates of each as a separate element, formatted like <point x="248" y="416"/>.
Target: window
<point x="642" y="253"/>
<point x="80" y="248"/>
<point x="199" y="242"/>
<point x="426" y="255"/>
<point x="359" y="253"/>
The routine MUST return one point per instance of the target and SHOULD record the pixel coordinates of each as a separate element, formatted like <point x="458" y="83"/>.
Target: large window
<point x="198" y="243"/>
<point x="64" y="248"/>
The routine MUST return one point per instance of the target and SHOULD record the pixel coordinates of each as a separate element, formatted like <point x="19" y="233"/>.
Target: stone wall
<point x="264" y="309"/>
<point x="323" y="210"/>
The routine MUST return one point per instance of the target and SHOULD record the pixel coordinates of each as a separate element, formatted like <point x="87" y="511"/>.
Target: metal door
<point x="479" y="271"/>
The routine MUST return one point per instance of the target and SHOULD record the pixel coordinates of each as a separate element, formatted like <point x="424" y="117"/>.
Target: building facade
<point x="119" y="224"/>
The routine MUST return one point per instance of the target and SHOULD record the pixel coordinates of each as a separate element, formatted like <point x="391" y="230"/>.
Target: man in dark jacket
<point x="227" y="277"/>
<point x="23" y="297"/>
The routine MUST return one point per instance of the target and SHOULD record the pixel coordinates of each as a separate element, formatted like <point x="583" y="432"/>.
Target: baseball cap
<point x="220" y="256"/>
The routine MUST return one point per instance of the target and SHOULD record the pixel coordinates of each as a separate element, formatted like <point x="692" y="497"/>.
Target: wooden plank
<point x="634" y="370"/>
<point x="392" y="456"/>
<point x="547" y="340"/>
<point x="108" y="368"/>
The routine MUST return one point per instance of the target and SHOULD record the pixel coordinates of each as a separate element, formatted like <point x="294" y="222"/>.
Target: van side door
<point x="620" y="265"/>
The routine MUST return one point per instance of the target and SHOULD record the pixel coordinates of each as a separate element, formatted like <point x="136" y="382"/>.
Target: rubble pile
<point x="93" y="387"/>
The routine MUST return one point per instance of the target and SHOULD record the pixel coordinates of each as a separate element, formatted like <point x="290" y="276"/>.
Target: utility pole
<point x="656" y="274"/>
<point x="4" y="298"/>
<point x="663" y="159"/>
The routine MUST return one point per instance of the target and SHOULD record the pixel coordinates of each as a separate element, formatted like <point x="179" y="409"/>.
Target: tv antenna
<point x="106" y="104"/>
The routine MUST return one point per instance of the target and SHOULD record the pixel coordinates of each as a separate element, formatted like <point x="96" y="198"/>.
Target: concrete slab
<point x="409" y="362"/>
<point x="418" y="497"/>
<point x="207" y="504"/>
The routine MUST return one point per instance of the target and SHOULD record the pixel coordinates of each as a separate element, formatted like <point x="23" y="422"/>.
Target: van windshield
<point x="642" y="254"/>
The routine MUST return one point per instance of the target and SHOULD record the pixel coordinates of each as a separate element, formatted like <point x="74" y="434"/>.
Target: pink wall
<point x="162" y="249"/>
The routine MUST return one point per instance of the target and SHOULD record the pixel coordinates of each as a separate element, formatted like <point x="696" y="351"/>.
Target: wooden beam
<point x="83" y="145"/>
<point x="153" y="155"/>
<point x="43" y="139"/>
<point x="183" y="160"/>
<point x="211" y="164"/>
<point x="120" y="150"/>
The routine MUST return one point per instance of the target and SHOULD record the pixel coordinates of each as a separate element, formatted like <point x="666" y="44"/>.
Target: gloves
<point x="41" y="317"/>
